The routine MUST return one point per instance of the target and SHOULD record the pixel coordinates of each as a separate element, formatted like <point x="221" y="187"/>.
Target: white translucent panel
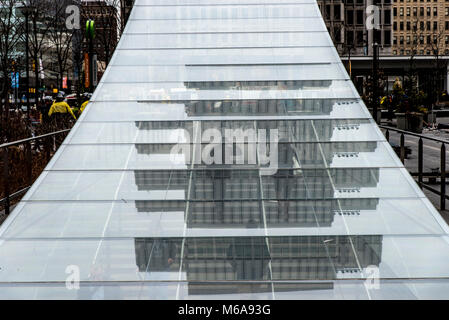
<point x="353" y="131"/>
<point x="225" y="40"/>
<point x="96" y="260"/>
<point x="107" y="186"/>
<point x="404" y="289"/>
<point x="234" y="184"/>
<point x="127" y="132"/>
<point x="232" y="56"/>
<point x="424" y="289"/>
<point x="109" y="260"/>
<point x="240" y="109"/>
<point x="427" y="289"/>
<point x="182" y="131"/>
<point x="84" y="185"/>
<point x="226" y="12"/>
<point x="133" y="74"/>
<point x="414" y="257"/>
<point x="392" y="217"/>
<point x="165" y="3"/>
<point x="362" y="216"/>
<point x="339" y="155"/>
<point x="228" y="218"/>
<point x="181" y="156"/>
<point x="166" y="92"/>
<point x="338" y="183"/>
<point x="378" y="183"/>
<point x="92" y="291"/>
<point x="219" y="25"/>
<point x="120" y="157"/>
<point x="99" y="219"/>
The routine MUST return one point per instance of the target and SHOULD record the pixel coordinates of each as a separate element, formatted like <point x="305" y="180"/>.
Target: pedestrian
<point x="60" y="107"/>
<point x="85" y="103"/>
<point x="60" y="113"/>
<point x="45" y="108"/>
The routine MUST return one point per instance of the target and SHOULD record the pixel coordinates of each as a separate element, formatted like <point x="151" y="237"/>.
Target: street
<point x="431" y="159"/>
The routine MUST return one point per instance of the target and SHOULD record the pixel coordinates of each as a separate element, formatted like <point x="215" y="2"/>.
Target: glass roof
<point x="225" y="155"/>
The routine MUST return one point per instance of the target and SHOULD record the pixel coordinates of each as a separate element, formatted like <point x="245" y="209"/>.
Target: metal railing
<point x="48" y="147"/>
<point x="441" y="174"/>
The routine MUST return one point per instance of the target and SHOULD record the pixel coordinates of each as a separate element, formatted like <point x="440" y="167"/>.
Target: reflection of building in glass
<point x="259" y="107"/>
<point x="259" y="85"/>
<point x="302" y="193"/>
<point x="258" y="258"/>
<point x="263" y="106"/>
<point x="247" y="184"/>
<point x="289" y="130"/>
<point x="248" y="213"/>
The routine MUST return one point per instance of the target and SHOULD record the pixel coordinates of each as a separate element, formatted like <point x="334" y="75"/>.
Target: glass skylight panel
<point x="218" y="2"/>
<point x="163" y="91"/>
<point x="225" y="40"/>
<point x="338" y="289"/>
<point x="342" y="130"/>
<point x="162" y="156"/>
<point x="225" y="25"/>
<point x="75" y="219"/>
<point x="243" y="184"/>
<point x="238" y="109"/>
<point x="193" y="73"/>
<point x="143" y="221"/>
<point x="227" y="12"/>
<point x="335" y="258"/>
<point x="233" y="56"/>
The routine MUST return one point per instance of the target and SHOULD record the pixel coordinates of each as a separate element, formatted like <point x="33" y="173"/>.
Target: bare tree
<point x="416" y="41"/>
<point x="11" y="31"/>
<point x="108" y="24"/>
<point x="60" y="39"/>
<point x="437" y="47"/>
<point x="38" y="38"/>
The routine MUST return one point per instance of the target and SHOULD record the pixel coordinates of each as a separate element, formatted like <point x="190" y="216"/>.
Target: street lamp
<point x="26" y="10"/>
<point x="375" y="81"/>
<point x="90" y="35"/>
<point x="347" y="48"/>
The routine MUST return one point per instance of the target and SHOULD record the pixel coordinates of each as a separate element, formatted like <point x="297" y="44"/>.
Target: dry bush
<point x="15" y="128"/>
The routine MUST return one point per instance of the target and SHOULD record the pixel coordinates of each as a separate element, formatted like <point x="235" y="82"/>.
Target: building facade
<point x="106" y="19"/>
<point x="346" y="21"/>
<point x="125" y="7"/>
<point x="420" y="27"/>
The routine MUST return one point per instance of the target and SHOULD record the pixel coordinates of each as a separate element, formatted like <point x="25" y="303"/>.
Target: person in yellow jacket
<point x="60" y="107"/>
<point x="83" y="106"/>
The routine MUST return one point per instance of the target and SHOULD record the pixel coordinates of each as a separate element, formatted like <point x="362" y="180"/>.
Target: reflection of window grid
<point x="248" y="258"/>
